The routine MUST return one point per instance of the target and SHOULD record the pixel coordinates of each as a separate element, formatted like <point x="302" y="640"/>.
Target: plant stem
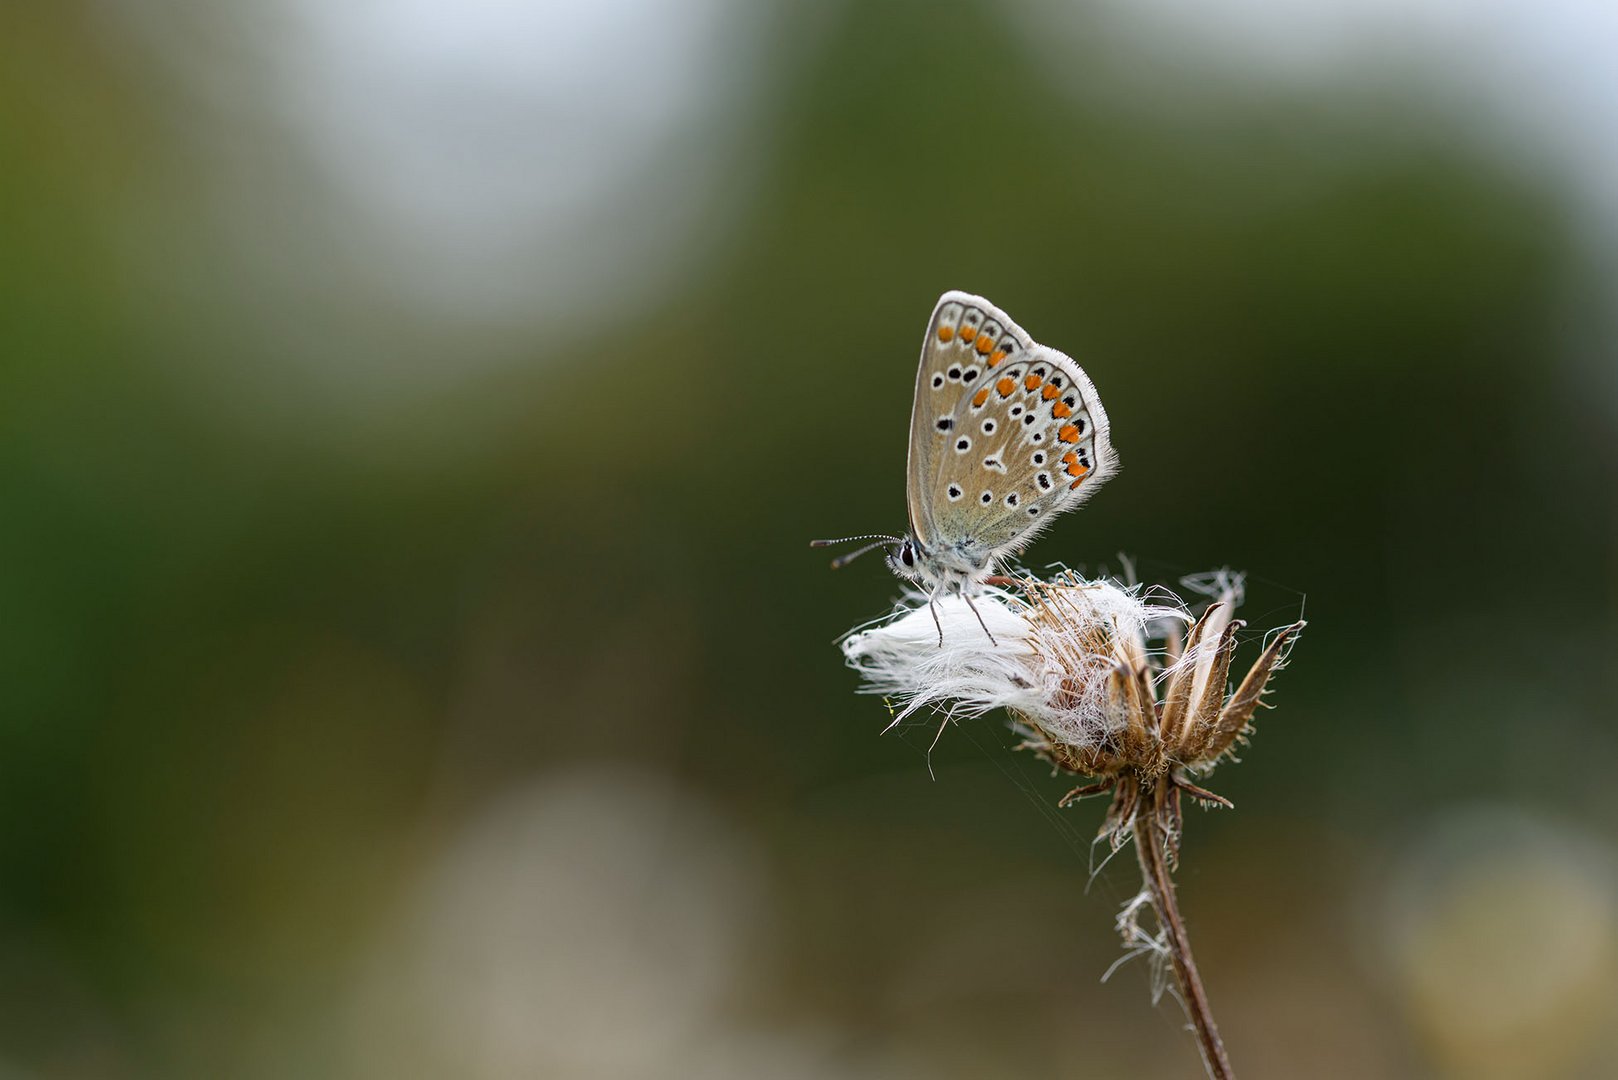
<point x="1153" y="817"/>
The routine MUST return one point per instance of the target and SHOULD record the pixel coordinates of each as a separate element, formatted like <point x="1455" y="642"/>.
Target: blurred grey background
<point x="412" y="415"/>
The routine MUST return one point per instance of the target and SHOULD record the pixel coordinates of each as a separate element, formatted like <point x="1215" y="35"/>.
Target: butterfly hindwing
<point x="1005" y="433"/>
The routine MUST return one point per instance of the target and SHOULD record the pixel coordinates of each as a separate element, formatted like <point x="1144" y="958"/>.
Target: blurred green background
<point x="412" y="416"/>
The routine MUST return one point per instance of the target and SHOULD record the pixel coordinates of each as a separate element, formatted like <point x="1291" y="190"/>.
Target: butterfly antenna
<point x="878" y="540"/>
<point x="850" y="539"/>
<point x="843" y="560"/>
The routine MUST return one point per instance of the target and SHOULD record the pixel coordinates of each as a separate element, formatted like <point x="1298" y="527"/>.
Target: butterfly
<point x="1005" y="434"/>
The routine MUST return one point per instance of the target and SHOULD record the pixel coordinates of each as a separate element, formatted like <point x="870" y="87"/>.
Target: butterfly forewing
<point x="1004" y="435"/>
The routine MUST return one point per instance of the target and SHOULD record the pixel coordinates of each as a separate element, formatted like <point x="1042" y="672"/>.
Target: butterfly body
<point x="1005" y="434"/>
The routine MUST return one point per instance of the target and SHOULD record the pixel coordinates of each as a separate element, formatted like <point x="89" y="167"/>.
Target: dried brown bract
<point x="1170" y="710"/>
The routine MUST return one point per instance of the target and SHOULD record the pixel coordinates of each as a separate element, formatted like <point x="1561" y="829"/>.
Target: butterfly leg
<point x="975" y="611"/>
<point x="932" y="605"/>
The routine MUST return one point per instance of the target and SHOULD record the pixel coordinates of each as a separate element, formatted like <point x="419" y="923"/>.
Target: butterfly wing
<point x="1005" y="433"/>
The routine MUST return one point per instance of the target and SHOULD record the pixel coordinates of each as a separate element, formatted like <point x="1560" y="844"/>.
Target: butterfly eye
<point x="906" y="556"/>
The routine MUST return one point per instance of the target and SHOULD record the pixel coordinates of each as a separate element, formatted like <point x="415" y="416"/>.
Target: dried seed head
<point x="1094" y="672"/>
<point x="1102" y="683"/>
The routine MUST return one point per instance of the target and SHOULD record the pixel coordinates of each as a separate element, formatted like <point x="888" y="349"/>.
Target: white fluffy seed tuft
<point x="968" y="675"/>
<point x="1051" y="658"/>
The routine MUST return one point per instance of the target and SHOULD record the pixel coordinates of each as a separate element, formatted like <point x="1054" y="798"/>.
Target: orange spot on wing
<point x="1032" y="382"/>
<point x="1061" y="411"/>
<point x="1075" y="483"/>
<point x="999" y="355"/>
<point x="1071" y="456"/>
<point x="1069" y="433"/>
<point x="1050" y="391"/>
<point x="981" y="396"/>
<point x="985" y="343"/>
<point x="945" y="333"/>
<point x="1075" y="469"/>
<point x="1006" y="386"/>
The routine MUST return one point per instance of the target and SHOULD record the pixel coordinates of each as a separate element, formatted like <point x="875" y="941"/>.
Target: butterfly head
<point x="902" y="551"/>
<point x="950" y="569"/>
<point x="904" y="559"/>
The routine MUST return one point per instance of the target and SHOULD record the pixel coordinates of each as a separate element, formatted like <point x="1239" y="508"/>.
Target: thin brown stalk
<point x="1153" y="844"/>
